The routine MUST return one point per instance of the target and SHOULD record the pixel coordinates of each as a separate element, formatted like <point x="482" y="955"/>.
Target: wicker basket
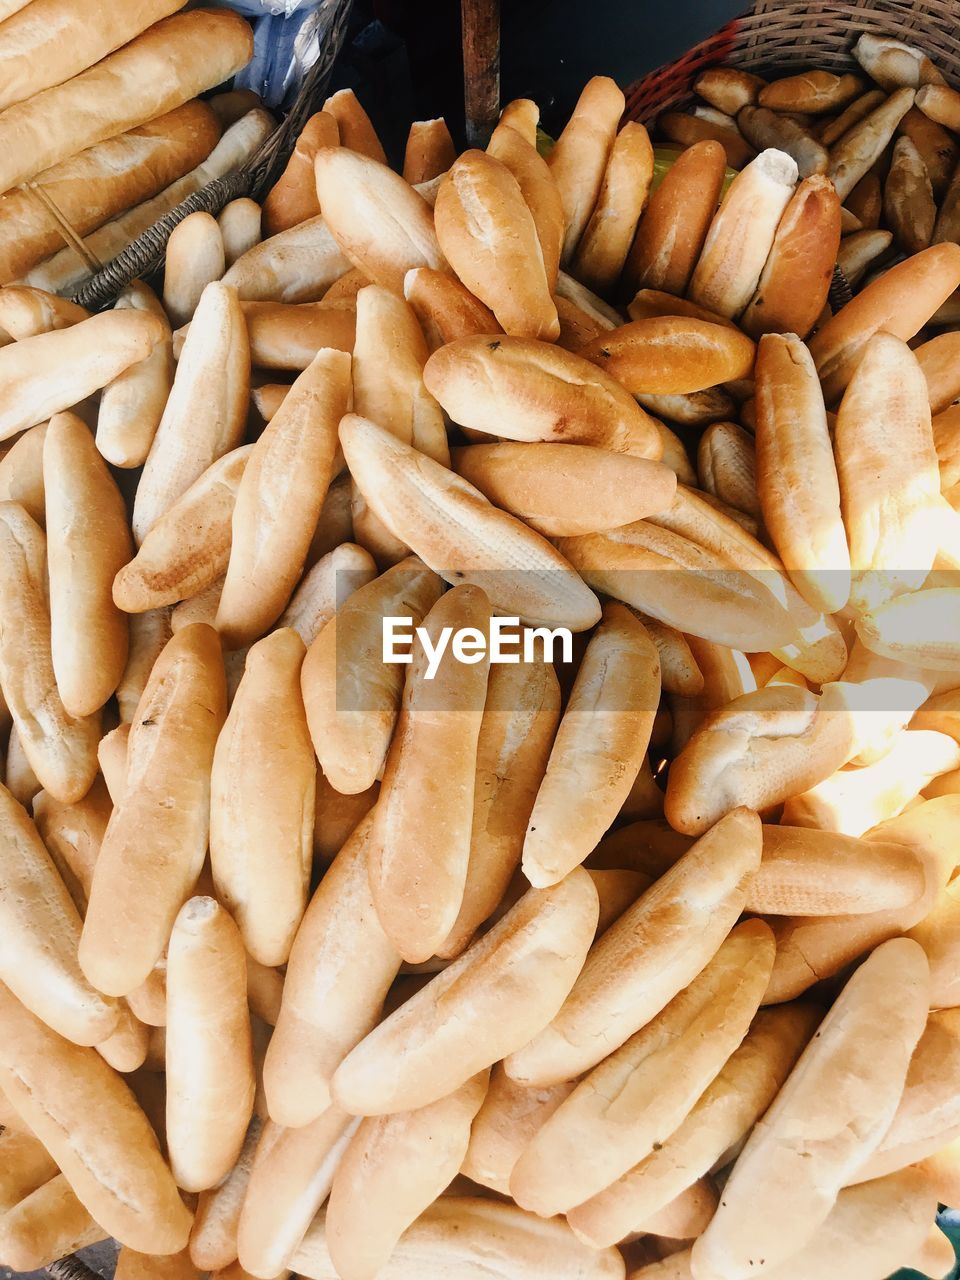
<point x="145" y="254"/>
<point x="776" y="37"/>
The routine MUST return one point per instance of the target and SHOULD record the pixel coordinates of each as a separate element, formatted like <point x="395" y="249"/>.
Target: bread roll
<point x="194" y="257"/>
<point x="262" y="796"/>
<point x="393" y="1169"/>
<point x="671" y="233"/>
<point x="293" y="197"/>
<point x="539" y="190"/>
<point x="938" y="359"/>
<point x="654" y="950"/>
<point x="61" y="749"/>
<point x="464" y="1020"/>
<point x="892" y="63"/>
<point x="533" y="391"/>
<point x="209" y="1055"/>
<point x="355" y="126"/>
<point x="131" y="406"/>
<point x="688" y="130"/>
<point x="625" y="1108"/>
<point x="445" y="308"/>
<point x="858" y="253"/>
<point x="152" y="852"/>
<point x="797" y="275"/>
<point x="94" y="1130"/>
<point x="161" y="69"/>
<point x="939" y="935"/>
<point x="26" y="1165"/>
<point x="937" y="148"/>
<point x="205" y="414"/>
<point x="239" y="223"/>
<point x="382" y="225"/>
<point x="21" y="473"/>
<point x="469" y="1238"/>
<point x="546" y="485"/>
<point x="132" y="1265"/>
<point x="429" y="151"/>
<point x="866" y="141"/>
<point x="908" y="204"/>
<point x="213" y="1237"/>
<point x="127" y="1047"/>
<point x="726" y="466"/>
<point x="149" y="632"/>
<point x="623" y="193"/>
<point x="188" y="547"/>
<point x="46" y="1225"/>
<point x="828" y="1117"/>
<point x="21" y="781"/>
<point x="418" y="863"/>
<point x="728" y="88"/>
<point x="813" y="91"/>
<point x="25" y="312"/>
<point x="580" y="156"/>
<point x="325" y="587"/>
<point x="290" y="1178"/>
<point x="341" y="966"/>
<point x="448" y="523"/>
<point x="722" y="1117"/>
<point x="742" y="233"/>
<point x="88" y="542"/>
<point x="488" y="235"/>
<point x="509" y="1118"/>
<point x="297" y="265"/>
<point x="287" y="335"/>
<point x="43" y="375"/>
<point x="672" y="355"/>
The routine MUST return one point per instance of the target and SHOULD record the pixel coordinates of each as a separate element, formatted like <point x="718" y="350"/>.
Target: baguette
<point x="45" y="374"/>
<point x="445" y="308"/>
<point x="209" y="1053"/>
<point x="262" y="796"/>
<point x="46" y="1225"/>
<point x="449" y="524"/>
<point x="293" y="457"/>
<point x="87" y="543"/>
<point x="290" y="1178"/>
<point x="716" y="1126"/>
<point x="796" y="277"/>
<point x="562" y="489"/>
<point x="899" y="303"/>
<point x="205" y="414"/>
<point x="479" y="201"/>
<point x="539" y="190"/>
<point x="672" y="355"/>
<point x="61" y="749"/>
<point x="213" y="1236"/>
<point x="626" y="1106"/>
<point x="188" y="547"/>
<point x="293" y="197"/>
<point x="674" y="226"/>
<point x="742" y="233"/>
<point x="418" y="869"/>
<point x="354" y="125"/>
<point x="340" y="969"/>
<point x="579" y="158"/>
<point x="94" y="1130"/>
<point x="393" y="1169"/>
<point x="239" y="223"/>
<point x="194" y="257"/>
<point x="470" y="1239"/>
<point x="429" y="151"/>
<point x="828" y="1117"/>
<point x="536" y="392"/>
<point x="656" y="948"/>
<point x="862" y="145"/>
<point x="765" y="128"/>
<point x="606" y="241"/>
<point x="609" y="715"/>
<point x="164" y="67"/>
<point x="892" y="63"/>
<point x="380" y="223"/>
<point x="296" y="265"/>
<point x="813" y="91"/>
<point x="834" y="129"/>
<point x="131" y="406"/>
<point x="487" y="1004"/>
<point x="728" y="88"/>
<point x="325" y="587"/>
<point x="149" y="842"/>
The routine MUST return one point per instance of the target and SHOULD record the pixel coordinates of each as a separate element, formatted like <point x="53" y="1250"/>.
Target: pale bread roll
<point x="213" y="1236"/>
<point x="194" y="257"/>
<point x="149" y="632"/>
<point x="340" y="969"/>
<point x="25" y="312"/>
<point x="239" y="223"/>
<point x="393" y="1169"/>
<point x="509" y="1118"/>
<point x="325" y="587"/>
<point x="88" y="541"/>
<point x="464" y="1020"/>
<point x="727" y="464"/>
<point x="131" y="406"/>
<point x="157" y="71"/>
<point x="26" y="1165"/>
<point x="296" y="265"/>
<point x="94" y="1130"/>
<point x="61" y="749"/>
<point x="262" y="796"/>
<point x="939" y="935"/>
<point x="72" y="834"/>
<point x="828" y="1117"/>
<point x="46" y="1225"/>
<point x="539" y="190"/>
<point x="656" y="948"/>
<point x="21" y="473"/>
<point x="148" y="841"/>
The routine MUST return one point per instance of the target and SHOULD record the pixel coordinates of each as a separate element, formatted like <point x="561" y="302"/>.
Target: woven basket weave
<point x="777" y="37"/>
<point x="145" y="254"/>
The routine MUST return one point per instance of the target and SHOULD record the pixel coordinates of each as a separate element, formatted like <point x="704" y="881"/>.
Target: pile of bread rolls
<point x="101" y="127"/>
<point x="645" y="962"/>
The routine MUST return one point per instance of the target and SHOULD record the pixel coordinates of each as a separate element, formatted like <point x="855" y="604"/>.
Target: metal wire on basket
<point x="145" y="254"/>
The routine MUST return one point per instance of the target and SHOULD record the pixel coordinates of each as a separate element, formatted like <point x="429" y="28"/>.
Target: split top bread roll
<point x="167" y="65"/>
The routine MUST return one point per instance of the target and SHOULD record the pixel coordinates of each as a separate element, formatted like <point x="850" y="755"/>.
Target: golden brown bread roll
<point x="429" y="151"/>
<point x="539" y="190"/>
<point x="340" y="969"/>
<point x="892" y="62"/>
<point x="149" y="842"/>
<point x="908" y="205"/>
<point x="355" y="126"/>
<point x="485" y="1005"/>
<point x="814" y="91"/>
<point x="293" y="197"/>
<point x="688" y="130"/>
<point x="862" y="145"/>
<point x="296" y="265"/>
<point x="26" y="1165"/>
<point x="61" y="749"/>
<point x="88" y="541"/>
<point x="654" y="950"/>
<point x="580" y="156"/>
<point x="623" y="193"/>
<point x="827" y="1118"/>
<point x="488" y="235"/>
<point x="445" y="308"/>
<point x="672" y="355"/>
<point x="46" y="1225"/>
<point x="728" y="88"/>
<point x="94" y="1130"/>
